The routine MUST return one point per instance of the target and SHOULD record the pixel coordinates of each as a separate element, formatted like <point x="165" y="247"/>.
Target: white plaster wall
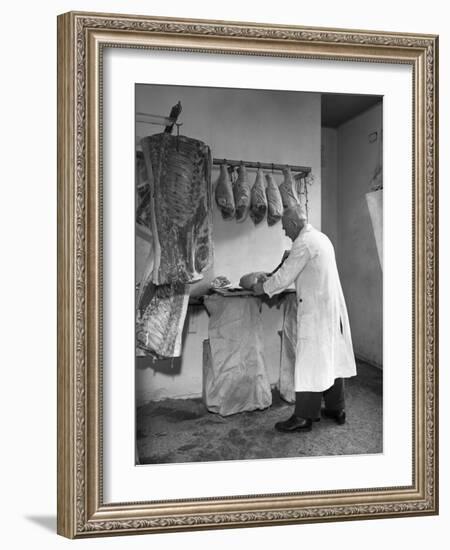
<point x="358" y="262"/>
<point x="259" y="125"/>
<point x="329" y="187"/>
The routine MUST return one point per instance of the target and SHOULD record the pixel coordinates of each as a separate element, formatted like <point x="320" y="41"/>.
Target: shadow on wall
<point x="170" y="366"/>
<point x="46" y="522"/>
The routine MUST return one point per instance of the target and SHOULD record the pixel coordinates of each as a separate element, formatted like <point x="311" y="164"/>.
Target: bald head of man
<point x="293" y="221"/>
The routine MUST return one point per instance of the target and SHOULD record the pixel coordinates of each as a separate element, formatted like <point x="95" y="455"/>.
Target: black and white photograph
<point x="258" y="263"/>
<point x="247" y="284"/>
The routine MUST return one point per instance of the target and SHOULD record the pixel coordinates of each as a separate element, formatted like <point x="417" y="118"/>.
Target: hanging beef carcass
<point x="142" y="192"/>
<point x="258" y="200"/>
<point x="287" y="190"/>
<point x="241" y="191"/>
<point x="224" y="194"/>
<point x="160" y="319"/>
<point x="179" y="173"/>
<point x="274" y="202"/>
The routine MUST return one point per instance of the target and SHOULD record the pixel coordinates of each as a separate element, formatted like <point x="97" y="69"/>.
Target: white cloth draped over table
<point x="234" y="376"/>
<point x="324" y="348"/>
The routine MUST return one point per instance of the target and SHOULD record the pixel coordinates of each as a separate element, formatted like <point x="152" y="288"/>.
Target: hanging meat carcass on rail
<point x="160" y="319"/>
<point x="288" y="190"/>
<point x="179" y="171"/>
<point x="224" y="194"/>
<point x="241" y="191"/>
<point x="274" y="202"/>
<point x="180" y="224"/>
<point x="258" y="199"/>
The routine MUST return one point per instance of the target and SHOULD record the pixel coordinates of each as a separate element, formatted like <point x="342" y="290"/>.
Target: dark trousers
<point x="308" y="403"/>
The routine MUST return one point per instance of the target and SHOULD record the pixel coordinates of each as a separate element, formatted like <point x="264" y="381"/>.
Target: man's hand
<point x="258" y="289"/>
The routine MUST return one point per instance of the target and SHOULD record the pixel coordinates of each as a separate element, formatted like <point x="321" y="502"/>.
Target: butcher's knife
<point x="285" y="255"/>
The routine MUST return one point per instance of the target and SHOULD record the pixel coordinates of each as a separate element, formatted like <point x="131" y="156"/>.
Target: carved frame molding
<point x="81" y="39"/>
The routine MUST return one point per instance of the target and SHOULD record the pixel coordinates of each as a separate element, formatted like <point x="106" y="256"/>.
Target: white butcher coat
<point x="324" y="348"/>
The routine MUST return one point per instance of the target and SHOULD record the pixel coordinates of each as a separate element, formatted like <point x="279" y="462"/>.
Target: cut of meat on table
<point x="160" y="319"/>
<point x="287" y="190"/>
<point x="241" y="192"/>
<point x="224" y="194"/>
<point x="249" y="279"/>
<point x="179" y="175"/>
<point x="274" y="202"/>
<point x="258" y="200"/>
<point x="220" y="282"/>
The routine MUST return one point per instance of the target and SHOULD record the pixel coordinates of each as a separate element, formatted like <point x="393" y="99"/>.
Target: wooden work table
<point x="240" y="293"/>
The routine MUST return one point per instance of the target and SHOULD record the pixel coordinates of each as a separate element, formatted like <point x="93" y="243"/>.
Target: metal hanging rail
<point x="159" y="120"/>
<point x="167" y="121"/>
<point x="305" y="170"/>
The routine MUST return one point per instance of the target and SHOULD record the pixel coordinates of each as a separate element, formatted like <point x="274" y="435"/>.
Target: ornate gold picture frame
<point x="82" y="40"/>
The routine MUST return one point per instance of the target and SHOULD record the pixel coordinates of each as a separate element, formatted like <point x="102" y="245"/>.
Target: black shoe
<point x="339" y="416"/>
<point x="294" y="424"/>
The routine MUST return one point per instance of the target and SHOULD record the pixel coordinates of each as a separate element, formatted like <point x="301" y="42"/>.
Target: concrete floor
<point x="182" y="430"/>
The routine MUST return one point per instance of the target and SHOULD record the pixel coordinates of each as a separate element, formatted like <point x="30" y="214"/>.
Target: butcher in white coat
<point x="324" y="351"/>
